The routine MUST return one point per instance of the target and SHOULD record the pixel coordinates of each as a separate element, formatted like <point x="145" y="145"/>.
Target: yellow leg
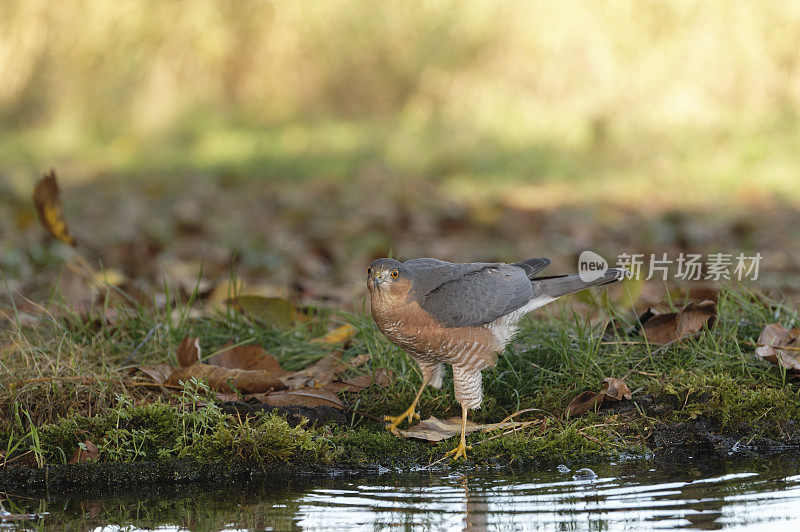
<point x="410" y="414"/>
<point x="461" y="450"/>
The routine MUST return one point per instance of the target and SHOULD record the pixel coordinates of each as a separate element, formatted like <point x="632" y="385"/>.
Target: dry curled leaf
<point x="780" y="346"/>
<point x="694" y="316"/>
<point x="86" y="452"/>
<point x="159" y="373"/>
<point x="47" y="198"/>
<point x="670" y="327"/>
<point x="188" y="352"/>
<point x="319" y="374"/>
<point x="228" y="380"/>
<point x="381" y="377"/>
<point x="246" y="357"/>
<point x="613" y="389"/>
<point x="584" y="402"/>
<point x="433" y="429"/>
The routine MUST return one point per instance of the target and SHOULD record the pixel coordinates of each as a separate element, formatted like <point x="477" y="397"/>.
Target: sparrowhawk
<point x="462" y="314"/>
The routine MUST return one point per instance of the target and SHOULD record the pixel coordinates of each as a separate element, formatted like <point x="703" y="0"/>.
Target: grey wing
<point x="430" y="274"/>
<point x="533" y="266"/>
<point x="473" y="294"/>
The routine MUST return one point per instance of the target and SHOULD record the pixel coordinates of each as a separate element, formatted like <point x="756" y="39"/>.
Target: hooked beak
<point x="377" y="279"/>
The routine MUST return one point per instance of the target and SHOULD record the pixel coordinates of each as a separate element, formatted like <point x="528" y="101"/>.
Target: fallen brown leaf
<point x="47" y="198"/>
<point x="188" y="352"/>
<point x="229" y="380"/>
<point x="159" y="373"/>
<point x="661" y="328"/>
<point x="433" y="429"/>
<point x="310" y="397"/>
<point x="318" y="375"/>
<point x="86" y="452"/>
<point x="780" y="346"/>
<point x="673" y="326"/>
<point x="613" y="389"/>
<point x="381" y="377"/>
<point x="246" y="357"/>
<point x="694" y="316"/>
<point x="584" y="402"/>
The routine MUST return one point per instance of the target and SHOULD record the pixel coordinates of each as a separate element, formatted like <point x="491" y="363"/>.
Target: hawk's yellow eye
<point x="394" y="274"/>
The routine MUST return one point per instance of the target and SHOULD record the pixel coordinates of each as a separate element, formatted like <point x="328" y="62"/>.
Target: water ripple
<point x="545" y="500"/>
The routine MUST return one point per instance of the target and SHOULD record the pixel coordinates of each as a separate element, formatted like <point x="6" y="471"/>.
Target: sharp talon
<point x="459" y="451"/>
<point x="394" y="421"/>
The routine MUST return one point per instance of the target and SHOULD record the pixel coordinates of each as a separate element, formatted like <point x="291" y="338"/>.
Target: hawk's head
<point x="388" y="277"/>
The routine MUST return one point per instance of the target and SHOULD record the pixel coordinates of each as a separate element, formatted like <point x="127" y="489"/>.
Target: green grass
<point x="63" y="381"/>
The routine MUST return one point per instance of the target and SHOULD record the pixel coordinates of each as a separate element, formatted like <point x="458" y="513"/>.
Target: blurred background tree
<point x="309" y="137"/>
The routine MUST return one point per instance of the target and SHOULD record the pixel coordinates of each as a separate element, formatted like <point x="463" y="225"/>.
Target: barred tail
<point x="560" y="285"/>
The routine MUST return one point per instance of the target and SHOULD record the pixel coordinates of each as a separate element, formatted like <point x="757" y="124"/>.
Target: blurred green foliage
<point x="595" y="100"/>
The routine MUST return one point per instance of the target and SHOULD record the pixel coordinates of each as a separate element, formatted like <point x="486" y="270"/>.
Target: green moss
<point x="159" y="430"/>
<point x="261" y="439"/>
<point x="368" y="447"/>
<point x="732" y="403"/>
<point x="578" y="440"/>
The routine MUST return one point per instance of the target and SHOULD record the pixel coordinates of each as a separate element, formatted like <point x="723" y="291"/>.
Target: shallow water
<point x="698" y="494"/>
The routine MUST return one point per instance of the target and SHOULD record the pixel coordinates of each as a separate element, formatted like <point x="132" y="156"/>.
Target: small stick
<point x="146" y="338"/>
<point x="368" y="416"/>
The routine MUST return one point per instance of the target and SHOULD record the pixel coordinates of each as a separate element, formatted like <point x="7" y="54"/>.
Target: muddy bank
<point x="652" y="432"/>
<point x="99" y="478"/>
<point x="704" y="435"/>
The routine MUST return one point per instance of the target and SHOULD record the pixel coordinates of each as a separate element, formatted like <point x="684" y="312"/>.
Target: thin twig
<point x="368" y="416"/>
<point x="146" y="338"/>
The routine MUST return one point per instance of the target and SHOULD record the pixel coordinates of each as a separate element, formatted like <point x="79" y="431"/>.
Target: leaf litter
<point x="253" y="373"/>
<point x="47" y="199"/>
<point x="613" y="390"/>
<point x="664" y="328"/>
<point x="780" y="346"/>
<point x="673" y="326"/>
<point x="434" y="430"/>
